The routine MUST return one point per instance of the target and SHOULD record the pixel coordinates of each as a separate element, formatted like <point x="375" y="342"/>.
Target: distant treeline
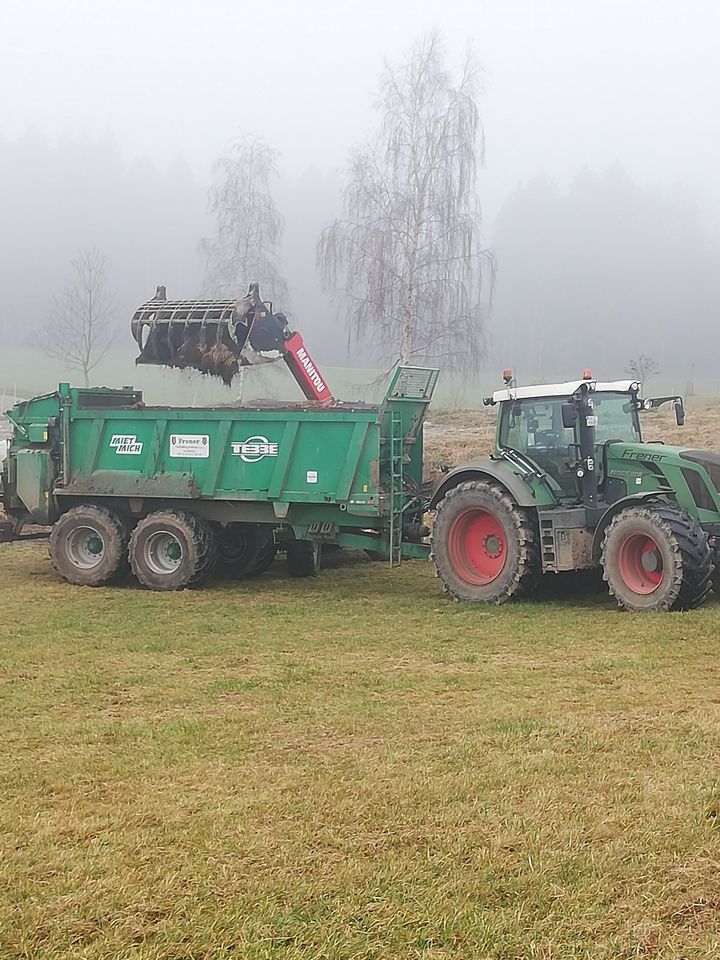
<point x="595" y="274"/>
<point x="603" y="272"/>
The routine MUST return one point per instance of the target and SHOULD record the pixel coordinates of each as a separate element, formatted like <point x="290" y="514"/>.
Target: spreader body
<point x="350" y="474"/>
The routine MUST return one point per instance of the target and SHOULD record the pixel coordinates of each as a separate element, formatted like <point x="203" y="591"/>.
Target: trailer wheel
<point x="656" y="558"/>
<point x="484" y="547"/>
<point x="715" y="579"/>
<point x="266" y="555"/>
<point x="88" y="546"/>
<point x="304" y="558"/>
<point x="172" y="549"/>
<point x="238" y="549"/>
<point x="377" y="556"/>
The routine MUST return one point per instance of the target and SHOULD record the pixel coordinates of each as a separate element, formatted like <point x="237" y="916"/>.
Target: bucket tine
<point x="205" y="335"/>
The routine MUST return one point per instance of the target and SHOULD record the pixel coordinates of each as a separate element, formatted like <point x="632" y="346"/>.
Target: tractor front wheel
<point x="88" y="546"/>
<point x="172" y="549"/>
<point x="656" y="558"/>
<point x="484" y="546"/>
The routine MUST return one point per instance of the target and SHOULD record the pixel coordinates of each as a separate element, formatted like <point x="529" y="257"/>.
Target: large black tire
<point x="172" y="549"/>
<point x="238" y="550"/>
<point x="88" y="546"/>
<point x="715" y="578"/>
<point x="377" y="556"/>
<point x="656" y="558"/>
<point x="484" y="546"/>
<point x="304" y="558"/>
<point x="266" y="554"/>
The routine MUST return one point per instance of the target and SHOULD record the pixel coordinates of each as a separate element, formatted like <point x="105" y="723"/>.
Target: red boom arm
<point x="303" y="369"/>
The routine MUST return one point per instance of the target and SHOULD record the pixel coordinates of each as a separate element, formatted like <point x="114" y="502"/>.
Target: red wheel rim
<point x="476" y="546"/>
<point x="640" y="563"/>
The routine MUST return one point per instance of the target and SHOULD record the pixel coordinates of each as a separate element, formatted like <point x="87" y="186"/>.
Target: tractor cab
<point x="563" y="430"/>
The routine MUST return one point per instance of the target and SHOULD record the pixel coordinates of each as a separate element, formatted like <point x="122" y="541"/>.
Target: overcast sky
<point x="568" y="83"/>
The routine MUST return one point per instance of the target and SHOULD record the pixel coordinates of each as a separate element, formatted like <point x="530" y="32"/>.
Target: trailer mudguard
<point x="34" y="481"/>
<point x="486" y="469"/>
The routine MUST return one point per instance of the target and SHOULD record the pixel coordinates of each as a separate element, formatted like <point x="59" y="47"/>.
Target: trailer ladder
<point x="397" y="499"/>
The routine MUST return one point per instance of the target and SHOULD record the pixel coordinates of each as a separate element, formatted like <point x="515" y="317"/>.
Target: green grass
<point x="353" y="767"/>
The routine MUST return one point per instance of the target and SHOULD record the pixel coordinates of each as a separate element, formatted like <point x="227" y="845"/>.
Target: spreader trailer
<point x="170" y="490"/>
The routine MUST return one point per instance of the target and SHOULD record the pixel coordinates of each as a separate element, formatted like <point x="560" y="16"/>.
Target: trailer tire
<point x="266" y="556"/>
<point x="656" y="558"/>
<point x="238" y="550"/>
<point x="88" y="546"/>
<point x="304" y="558"/>
<point x="715" y="579"/>
<point x="377" y="556"/>
<point x="484" y="546"/>
<point x="172" y="549"/>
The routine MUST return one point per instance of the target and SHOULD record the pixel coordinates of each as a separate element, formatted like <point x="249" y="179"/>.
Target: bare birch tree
<point x="78" y="328"/>
<point x="248" y="227"/>
<point x="406" y="257"/>
<point x="642" y="368"/>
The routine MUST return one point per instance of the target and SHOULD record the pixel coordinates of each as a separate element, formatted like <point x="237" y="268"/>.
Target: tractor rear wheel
<point x="656" y="558"/>
<point x="88" y="546"/>
<point x="484" y="546"/>
<point x="304" y="558"/>
<point x="172" y="549"/>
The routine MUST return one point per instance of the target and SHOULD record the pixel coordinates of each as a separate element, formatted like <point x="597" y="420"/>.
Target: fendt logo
<point x="254" y="449"/>
<point x="125" y="443"/>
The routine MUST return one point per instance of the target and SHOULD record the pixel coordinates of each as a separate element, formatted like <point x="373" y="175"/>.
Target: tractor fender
<point x="485" y="469"/>
<point x="630" y="501"/>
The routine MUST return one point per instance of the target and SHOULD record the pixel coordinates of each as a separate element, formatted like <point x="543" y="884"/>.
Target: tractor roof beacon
<point x="571" y="486"/>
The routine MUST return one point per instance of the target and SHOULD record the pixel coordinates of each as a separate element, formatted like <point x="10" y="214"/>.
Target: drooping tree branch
<point x="248" y="227"/>
<point x="406" y="256"/>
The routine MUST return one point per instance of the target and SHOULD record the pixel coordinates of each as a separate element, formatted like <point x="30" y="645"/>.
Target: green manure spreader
<point x="172" y="490"/>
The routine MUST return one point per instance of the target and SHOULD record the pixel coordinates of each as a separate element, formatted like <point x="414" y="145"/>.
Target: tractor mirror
<point x="569" y="415"/>
<point x="679" y="412"/>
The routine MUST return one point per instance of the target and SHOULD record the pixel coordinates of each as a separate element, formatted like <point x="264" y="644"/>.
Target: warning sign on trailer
<point x="192" y="445"/>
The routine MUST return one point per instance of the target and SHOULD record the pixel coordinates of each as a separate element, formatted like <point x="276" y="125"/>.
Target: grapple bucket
<point x="206" y="335"/>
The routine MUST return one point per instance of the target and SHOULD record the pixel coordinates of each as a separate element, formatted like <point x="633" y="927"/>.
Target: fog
<point x="599" y="189"/>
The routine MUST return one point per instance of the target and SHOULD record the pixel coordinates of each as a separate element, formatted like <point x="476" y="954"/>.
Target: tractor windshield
<point x="617" y="418"/>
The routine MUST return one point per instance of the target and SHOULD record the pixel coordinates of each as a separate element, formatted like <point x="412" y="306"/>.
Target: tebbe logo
<point x="126" y="443"/>
<point x="254" y="449"/>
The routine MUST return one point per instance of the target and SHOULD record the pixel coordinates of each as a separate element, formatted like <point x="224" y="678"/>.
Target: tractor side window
<point x="534" y="427"/>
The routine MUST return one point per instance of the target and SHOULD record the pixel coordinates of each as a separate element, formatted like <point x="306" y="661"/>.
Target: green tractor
<point x="572" y="486"/>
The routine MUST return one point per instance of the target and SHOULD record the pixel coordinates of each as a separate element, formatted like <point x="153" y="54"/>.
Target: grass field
<point x="353" y="767"/>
